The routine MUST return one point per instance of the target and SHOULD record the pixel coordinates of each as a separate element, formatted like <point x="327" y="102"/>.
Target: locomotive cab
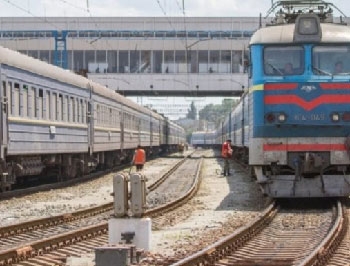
<point x="299" y="106"/>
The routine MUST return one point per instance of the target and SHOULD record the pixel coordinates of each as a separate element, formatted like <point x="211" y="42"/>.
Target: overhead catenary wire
<point x="166" y="15"/>
<point x="77" y="7"/>
<point x="55" y="26"/>
<point x="185" y="41"/>
<point x="30" y="13"/>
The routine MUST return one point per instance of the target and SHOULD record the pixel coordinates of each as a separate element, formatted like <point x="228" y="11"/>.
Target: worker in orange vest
<point x="139" y="158"/>
<point x="226" y="153"/>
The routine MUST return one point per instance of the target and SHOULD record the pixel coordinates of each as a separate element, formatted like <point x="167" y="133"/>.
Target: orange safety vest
<point x="226" y="150"/>
<point x="140" y="156"/>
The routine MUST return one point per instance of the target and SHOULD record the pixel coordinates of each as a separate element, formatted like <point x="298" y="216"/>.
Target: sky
<point x="135" y="8"/>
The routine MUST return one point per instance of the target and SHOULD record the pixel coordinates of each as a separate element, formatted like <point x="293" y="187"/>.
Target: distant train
<point x="293" y="124"/>
<point x="54" y="120"/>
<point x="202" y="139"/>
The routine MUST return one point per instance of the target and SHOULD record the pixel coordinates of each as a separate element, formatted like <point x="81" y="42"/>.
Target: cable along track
<point x="34" y="240"/>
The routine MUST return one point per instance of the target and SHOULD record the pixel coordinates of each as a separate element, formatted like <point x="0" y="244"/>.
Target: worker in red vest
<point x="139" y="158"/>
<point x="226" y="153"/>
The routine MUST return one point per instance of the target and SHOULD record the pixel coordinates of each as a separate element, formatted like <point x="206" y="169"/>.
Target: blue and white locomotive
<point x="293" y="124"/>
<point x="299" y="105"/>
<point x="54" y="120"/>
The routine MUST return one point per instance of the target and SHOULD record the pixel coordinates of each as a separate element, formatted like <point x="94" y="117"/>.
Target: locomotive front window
<point x="331" y="60"/>
<point x="283" y="60"/>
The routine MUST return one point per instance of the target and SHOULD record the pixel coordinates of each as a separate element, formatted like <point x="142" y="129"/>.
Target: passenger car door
<point x="3" y="116"/>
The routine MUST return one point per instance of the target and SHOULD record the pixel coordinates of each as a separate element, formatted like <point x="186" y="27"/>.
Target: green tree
<point x="217" y="112"/>
<point x="192" y="112"/>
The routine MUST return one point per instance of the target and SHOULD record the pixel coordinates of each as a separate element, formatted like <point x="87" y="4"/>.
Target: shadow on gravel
<point x="245" y="194"/>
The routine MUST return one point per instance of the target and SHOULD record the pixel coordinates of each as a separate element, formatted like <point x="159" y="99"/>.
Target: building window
<point x="203" y="62"/>
<point x="214" y="61"/>
<point x="146" y="63"/>
<point x="181" y="65"/>
<point x="135" y="61"/>
<point x="91" y="62"/>
<point x="225" y="62"/>
<point x="157" y="61"/>
<point x="45" y="56"/>
<point x="168" y="65"/>
<point x="124" y="62"/>
<point x="112" y="59"/>
<point x="101" y="61"/>
<point x="78" y="59"/>
<point x="237" y="66"/>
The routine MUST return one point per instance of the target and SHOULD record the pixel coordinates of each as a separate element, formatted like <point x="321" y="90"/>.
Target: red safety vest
<point x="226" y="150"/>
<point x="140" y="156"/>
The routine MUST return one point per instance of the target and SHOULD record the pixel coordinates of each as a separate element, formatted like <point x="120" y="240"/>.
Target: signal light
<point x="346" y="117"/>
<point x="270" y="117"/>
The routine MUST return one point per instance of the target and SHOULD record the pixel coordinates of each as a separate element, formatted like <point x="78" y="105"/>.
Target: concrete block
<point x="142" y="227"/>
<point x="81" y="261"/>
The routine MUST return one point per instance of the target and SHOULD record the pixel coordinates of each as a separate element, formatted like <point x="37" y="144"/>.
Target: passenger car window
<point x="283" y="61"/>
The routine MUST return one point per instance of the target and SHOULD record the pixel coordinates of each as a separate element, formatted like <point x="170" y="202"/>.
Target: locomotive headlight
<point x="335" y="117"/>
<point x="308" y="26"/>
<point x="281" y="117"/>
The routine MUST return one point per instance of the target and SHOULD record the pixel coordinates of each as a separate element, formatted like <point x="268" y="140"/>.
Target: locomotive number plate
<point x="309" y="117"/>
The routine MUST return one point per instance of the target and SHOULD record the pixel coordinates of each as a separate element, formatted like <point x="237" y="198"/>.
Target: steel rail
<point x="176" y="203"/>
<point x="329" y="244"/>
<point x="28" y="226"/>
<point x="39" y="247"/>
<point x="226" y="245"/>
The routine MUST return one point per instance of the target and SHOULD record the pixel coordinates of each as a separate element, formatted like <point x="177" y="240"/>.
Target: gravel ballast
<point x="222" y="205"/>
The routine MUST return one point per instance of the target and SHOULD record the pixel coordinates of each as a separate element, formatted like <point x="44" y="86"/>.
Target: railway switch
<point x="138" y="194"/>
<point x="121" y="194"/>
<point x="127" y="226"/>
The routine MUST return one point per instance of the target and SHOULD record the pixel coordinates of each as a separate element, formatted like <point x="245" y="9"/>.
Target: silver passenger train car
<point x="203" y="139"/>
<point x="53" y="119"/>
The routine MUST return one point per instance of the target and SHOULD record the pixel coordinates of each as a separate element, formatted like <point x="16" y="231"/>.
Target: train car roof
<point x="15" y="59"/>
<point x="158" y="116"/>
<point x="110" y="94"/>
<point x="36" y="66"/>
<point x="203" y="132"/>
<point x="331" y="33"/>
<point x="198" y="132"/>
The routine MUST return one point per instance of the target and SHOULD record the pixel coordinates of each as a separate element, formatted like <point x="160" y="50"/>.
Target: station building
<point x="143" y="57"/>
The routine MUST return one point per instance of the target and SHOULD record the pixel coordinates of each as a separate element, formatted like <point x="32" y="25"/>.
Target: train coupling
<point x="308" y="162"/>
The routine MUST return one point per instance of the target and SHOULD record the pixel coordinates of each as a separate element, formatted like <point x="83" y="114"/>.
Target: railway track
<point x="67" y="183"/>
<point x="278" y="237"/>
<point x="56" y="185"/>
<point x="341" y="255"/>
<point x="31" y="239"/>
